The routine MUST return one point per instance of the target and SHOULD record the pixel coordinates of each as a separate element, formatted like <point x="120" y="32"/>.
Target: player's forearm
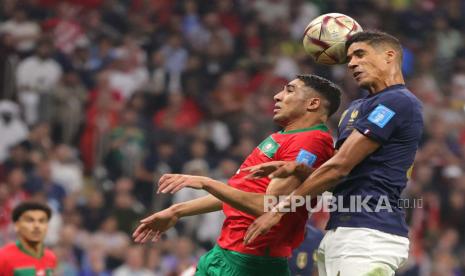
<point x="323" y="179"/>
<point x="203" y="205"/>
<point x="250" y="203"/>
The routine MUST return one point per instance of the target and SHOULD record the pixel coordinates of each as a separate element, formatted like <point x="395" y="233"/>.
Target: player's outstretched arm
<point x="354" y="150"/>
<point x="279" y="169"/>
<point x="152" y="227"/>
<point x="263" y="170"/>
<point x="251" y="203"/>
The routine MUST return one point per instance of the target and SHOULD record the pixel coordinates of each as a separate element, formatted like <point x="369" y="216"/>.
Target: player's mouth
<point x="356" y="74"/>
<point x="276" y="109"/>
<point x="36" y="233"/>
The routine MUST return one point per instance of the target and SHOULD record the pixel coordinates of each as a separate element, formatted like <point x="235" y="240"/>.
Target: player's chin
<point x="278" y="119"/>
<point x="363" y="83"/>
<point x="35" y="237"/>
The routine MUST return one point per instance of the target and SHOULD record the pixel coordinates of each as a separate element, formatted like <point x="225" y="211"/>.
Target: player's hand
<point x="263" y="170"/>
<point x="261" y="226"/>
<point x="171" y="183"/>
<point x="152" y="227"/>
<point x="293" y="168"/>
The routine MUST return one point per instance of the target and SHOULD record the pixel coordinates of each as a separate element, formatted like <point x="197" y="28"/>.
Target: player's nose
<point x="278" y="96"/>
<point x="352" y="64"/>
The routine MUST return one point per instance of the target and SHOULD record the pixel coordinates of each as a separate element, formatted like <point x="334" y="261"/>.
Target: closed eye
<point x="290" y="88"/>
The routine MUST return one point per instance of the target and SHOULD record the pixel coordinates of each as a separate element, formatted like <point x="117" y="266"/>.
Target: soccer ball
<point x="325" y="37"/>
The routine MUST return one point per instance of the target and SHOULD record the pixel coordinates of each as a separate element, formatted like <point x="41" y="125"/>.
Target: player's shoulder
<point x="400" y="95"/>
<point x="8" y="248"/>
<point x="49" y="254"/>
<point x="6" y="252"/>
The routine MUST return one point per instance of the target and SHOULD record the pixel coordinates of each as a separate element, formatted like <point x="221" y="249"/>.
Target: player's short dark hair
<point x="23" y="207"/>
<point x="375" y="38"/>
<point x="326" y="88"/>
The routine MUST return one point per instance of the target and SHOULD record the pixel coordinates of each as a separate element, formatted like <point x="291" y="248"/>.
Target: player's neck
<point x="34" y="248"/>
<point x="393" y="79"/>
<point x="303" y="123"/>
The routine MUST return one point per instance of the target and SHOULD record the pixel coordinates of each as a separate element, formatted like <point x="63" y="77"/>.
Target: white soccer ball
<point x="325" y="37"/>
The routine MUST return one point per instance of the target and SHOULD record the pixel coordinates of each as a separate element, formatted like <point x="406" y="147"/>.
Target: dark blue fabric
<point x="392" y="117"/>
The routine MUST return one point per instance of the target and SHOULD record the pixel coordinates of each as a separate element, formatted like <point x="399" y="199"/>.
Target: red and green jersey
<point x="15" y="260"/>
<point x="312" y="146"/>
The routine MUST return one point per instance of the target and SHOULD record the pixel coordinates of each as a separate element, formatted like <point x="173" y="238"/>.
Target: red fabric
<point x="289" y="233"/>
<point x="12" y="258"/>
<point x="231" y="22"/>
<point x="101" y="117"/>
<point x="186" y="117"/>
<point x="89" y="4"/>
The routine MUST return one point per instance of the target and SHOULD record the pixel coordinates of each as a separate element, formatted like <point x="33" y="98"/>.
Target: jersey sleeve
<point x="311" y="149"/>
<point x="383" y="117"/>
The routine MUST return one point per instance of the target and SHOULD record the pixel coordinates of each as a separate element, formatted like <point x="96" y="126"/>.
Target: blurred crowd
<point x="99" y="98"/>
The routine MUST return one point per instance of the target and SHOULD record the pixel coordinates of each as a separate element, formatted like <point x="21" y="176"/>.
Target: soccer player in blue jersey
<point x="377" y="140"/>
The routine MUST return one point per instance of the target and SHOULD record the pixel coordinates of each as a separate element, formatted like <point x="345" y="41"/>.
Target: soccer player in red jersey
<point x="28" y="257"/>
<point x="301" y="108"/>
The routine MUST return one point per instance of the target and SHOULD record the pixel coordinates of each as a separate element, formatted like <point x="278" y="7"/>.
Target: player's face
<point x="32" y="225"/>
<point x="291" y="102"/>
<point x="367" y="65"/>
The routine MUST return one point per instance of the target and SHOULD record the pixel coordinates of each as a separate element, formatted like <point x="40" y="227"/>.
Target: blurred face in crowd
<point x="32" y="226"/>
<point x="20" y="16"/>
<point x="293" y="102"/>
<point x="135" y="257"/>
<point x="44" y="50"/>
<point x="16" y="179"/>
<point x="370" y="65"/>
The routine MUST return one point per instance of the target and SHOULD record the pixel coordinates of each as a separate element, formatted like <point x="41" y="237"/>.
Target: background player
<point x="377" y="141"/>
<point x="28" y="256"/>
<point x="301" y="109"/>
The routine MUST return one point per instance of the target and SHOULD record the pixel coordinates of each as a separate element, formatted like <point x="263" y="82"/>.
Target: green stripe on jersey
<point x="27" y="271"/>
<point x="321" y="127"/>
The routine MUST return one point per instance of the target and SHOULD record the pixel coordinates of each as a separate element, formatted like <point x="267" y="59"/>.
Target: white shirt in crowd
<point x="28" y="32"/>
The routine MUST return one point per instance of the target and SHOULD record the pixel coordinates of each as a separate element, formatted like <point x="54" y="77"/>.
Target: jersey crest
<point x="269" y="147"/>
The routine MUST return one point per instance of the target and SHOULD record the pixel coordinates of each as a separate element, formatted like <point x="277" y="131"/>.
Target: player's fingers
<point x="256" y="174"/>
<point x="251" y="168"/>
<point x="162" y="181"/>
<point x="148" y="236"/>
<point x="157" y="236"/>
<point x="138" y="230"/>
<point x="249" y="236"/>
<point x="149" y="219"/>
<point x="279" y="173"/>
<point x="172" y="184"/>
<point x="141" y="235"/>
<point x="167" y="183"/>
<point x="283" y="171"/>
<point x="178" y="188"/>
<point x="250" y="233"/>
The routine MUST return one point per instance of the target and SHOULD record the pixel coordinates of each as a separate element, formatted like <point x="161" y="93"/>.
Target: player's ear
<point x="390" y="55"/>
<point x="313" y="104"/>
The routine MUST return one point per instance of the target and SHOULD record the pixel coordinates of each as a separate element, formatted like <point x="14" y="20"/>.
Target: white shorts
<point x="349" y="251"/>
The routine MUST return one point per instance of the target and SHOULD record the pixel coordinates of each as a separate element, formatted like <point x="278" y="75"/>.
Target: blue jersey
<point x="303" y="257"/>
<point x="392" y="117"/>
